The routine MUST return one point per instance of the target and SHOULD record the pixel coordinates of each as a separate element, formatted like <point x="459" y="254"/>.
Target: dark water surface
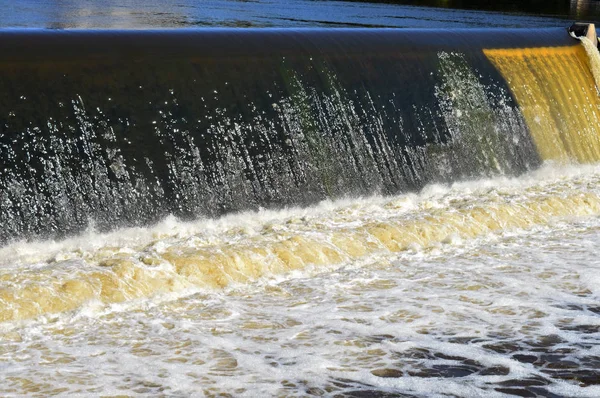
<point x="572" y="9"/>
<point x="139" y="14"/>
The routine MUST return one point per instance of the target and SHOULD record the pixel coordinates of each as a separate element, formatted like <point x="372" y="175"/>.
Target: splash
<point x="325" y="115"/>
<point x="352" y="233"/>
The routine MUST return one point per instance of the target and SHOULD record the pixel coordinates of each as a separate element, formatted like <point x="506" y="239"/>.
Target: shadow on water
<point x="572" y="9"/>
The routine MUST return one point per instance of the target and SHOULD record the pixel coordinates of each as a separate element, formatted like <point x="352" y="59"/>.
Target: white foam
<point x="250" y="223"/>
<point x="336" y="329"/>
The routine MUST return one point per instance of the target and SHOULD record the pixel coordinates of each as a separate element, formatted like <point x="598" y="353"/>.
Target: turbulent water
<point x="484" y="281"/>
<point x="479" y="288"/>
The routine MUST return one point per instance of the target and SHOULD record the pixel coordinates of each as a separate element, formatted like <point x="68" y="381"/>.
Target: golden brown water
<point x="557" y="94"/>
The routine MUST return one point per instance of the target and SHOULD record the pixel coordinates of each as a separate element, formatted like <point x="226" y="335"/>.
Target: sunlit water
<point x="478" y="289"/>
<point x="136" y="14"/>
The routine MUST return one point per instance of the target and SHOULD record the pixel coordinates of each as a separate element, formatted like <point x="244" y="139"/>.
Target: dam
<point x="121" y="129"/>
<point x="297" y="212"/>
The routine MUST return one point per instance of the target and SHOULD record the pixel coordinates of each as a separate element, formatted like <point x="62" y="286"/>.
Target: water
<point x="90" y="138"/>
<point x="434" y="242"/>
<point x="136" y="14"/>
<point x="497" y="293"/>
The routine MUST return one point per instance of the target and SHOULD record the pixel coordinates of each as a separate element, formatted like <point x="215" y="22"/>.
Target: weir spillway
<point x="456" y="253"/>
<point x="123" y="128"/>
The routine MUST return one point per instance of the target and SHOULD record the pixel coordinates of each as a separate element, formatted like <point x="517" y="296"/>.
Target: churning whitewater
<point x="478" y="287"/>
<point x="174" y="257"/>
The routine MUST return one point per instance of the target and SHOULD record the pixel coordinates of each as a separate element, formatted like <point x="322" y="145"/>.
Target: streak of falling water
<point x="312" y="137"/>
